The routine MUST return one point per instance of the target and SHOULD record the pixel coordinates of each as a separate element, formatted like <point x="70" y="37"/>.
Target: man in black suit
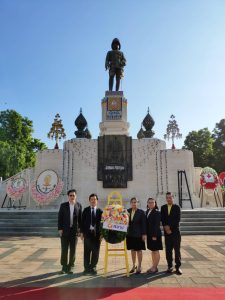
<point x="69" y="224"/>
<point x="91" y="220"/>
<point x="170" y="216"/>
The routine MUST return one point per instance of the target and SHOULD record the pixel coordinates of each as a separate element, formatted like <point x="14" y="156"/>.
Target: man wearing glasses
<point x="69" y="224"/>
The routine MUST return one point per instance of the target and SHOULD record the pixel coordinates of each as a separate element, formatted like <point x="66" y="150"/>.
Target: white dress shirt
<point x="71" y="214"/>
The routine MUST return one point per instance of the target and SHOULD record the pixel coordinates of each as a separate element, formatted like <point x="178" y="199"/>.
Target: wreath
<point x="42" y="198"/>
<point x="208" y="178"/>
<point x="16" y="187"/>
<point x="208" y="170"/>
<point x="114" y="223"/>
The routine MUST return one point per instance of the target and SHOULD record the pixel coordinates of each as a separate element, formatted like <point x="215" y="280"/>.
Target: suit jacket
<point x="173" y="219"/>
<point x="64" y="218"/>
<point x="86" y="222"/>
<point x="137" y="227"/>
<point x="153" y="223"/>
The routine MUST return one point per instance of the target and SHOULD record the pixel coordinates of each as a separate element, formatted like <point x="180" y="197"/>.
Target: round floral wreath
<point x="118" y="215"/>
<point x="15" y="193"/>
<point x="209" y="187"/>
<point x="208" y="170"/>
<point x="42" y="198"/>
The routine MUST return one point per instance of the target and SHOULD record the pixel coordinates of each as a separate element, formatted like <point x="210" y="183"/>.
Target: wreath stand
<point x="215" y="194"/>
<point x="11" y="203"/>
<point x="115" y="198"/>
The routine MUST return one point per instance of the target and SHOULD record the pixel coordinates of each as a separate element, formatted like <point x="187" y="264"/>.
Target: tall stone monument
<point x="114" y="161"/>
<point x="114" y="143"/>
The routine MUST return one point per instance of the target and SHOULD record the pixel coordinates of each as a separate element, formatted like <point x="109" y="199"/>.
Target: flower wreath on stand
<point x="209" y="178"/>
<point x="115" y="220"/>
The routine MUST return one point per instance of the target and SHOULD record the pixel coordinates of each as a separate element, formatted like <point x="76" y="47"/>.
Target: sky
<point x="52" y="55"/>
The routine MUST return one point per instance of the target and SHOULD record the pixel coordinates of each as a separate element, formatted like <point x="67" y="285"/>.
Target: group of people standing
<point x="143" y="227"/>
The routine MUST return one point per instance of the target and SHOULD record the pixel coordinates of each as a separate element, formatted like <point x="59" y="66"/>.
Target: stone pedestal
<point x="114" y="114"/>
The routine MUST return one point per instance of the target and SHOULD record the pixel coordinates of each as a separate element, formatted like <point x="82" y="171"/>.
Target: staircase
<point x="28" y="223"/>
<point x="203" y="222"/>
<point x="44" y="223"/>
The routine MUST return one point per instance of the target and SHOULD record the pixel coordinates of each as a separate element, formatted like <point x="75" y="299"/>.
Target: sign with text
<point x="115" y="226"/>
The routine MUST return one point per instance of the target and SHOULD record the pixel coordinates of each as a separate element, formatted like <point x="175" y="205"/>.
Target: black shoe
<point x="86" y="272"/>
<point x="64" y="270"/>
<point x="70" y="270"/>
<point x="93" y="271"/>
<point x="138" y="272"/>
<point x="179" y="271"/>
<point x="169" y="270"/>
<point x="133" y="269"/>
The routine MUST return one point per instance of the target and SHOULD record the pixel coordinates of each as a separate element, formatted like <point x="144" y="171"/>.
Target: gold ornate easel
<point x="115" y="198"/>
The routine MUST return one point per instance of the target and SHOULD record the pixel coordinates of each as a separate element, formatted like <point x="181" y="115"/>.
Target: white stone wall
<point x="169" y="163"/>
<point x="154" y="171"/>
<point x="49" y="159"/>
<point x="53" y="160"/>
<point x="46" y="159"/>
<point x="80" y="167"/>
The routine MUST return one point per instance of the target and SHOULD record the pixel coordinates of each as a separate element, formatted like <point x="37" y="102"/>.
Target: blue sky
<point x="52" y="57"/>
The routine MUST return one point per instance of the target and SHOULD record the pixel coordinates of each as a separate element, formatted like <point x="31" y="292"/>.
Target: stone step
<point x="195" y="220"/>
<point x="202" y="219"/>
<point x="32" y="233"/>
<point x="194" y="215"/>
<point x="21" y="221"/>
<point x="203" y="228"/>
<point x="189" y="232"/>
<point x="44" y="223"/>
<point x="28" y="229"/>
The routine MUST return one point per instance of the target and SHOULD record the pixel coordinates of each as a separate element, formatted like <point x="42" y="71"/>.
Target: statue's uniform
<point x="116" y="61"/>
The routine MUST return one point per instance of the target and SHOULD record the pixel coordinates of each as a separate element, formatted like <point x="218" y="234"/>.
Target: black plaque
<point x="115" y="160"/>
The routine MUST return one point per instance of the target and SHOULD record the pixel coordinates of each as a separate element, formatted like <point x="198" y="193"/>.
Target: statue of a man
<point x="115" y="62"/>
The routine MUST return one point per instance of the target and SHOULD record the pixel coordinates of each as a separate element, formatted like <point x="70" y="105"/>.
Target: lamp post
<point x="172" y="131"/>
<point x="57" y="131"/>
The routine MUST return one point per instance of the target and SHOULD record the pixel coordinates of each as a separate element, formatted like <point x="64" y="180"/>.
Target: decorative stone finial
<point x="81" y="124"/>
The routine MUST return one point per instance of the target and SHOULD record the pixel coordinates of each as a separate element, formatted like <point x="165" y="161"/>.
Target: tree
<point x="17" y="146"/>
<point x="201" y="144"/>
<point x="219" y="146"/>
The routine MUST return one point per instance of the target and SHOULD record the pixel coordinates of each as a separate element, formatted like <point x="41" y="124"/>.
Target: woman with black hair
<point x="154" y="235"/>
<point x="136" y="235"/>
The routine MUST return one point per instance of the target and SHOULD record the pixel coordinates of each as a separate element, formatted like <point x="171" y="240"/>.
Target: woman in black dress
<point x="154" y="235"/>
<point x="136" y="235"/>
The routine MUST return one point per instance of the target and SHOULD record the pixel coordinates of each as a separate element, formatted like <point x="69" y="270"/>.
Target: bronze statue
<point x="115" y="62"/>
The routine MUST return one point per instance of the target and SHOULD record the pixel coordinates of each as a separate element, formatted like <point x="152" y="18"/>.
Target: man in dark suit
<point x="69" y="224"/>
<point x="91" y="220"/>
<point x="170" y="216"/>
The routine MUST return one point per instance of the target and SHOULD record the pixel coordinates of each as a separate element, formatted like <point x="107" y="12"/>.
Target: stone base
<point x="114" y="114"/>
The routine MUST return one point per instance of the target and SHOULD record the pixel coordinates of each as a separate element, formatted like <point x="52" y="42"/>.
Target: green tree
<point x="17" y="146"/>
<point x="219" y="146"/>
<point x="201" y="144"/>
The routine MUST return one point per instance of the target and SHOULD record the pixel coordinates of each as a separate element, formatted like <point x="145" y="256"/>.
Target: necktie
<point x="169" y="209"/>
<point x="92" y="217"/>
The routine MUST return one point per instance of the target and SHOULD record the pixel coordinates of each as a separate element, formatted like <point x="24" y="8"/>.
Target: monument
<point x="114" y="161"/>
<point x="115" y="62"/>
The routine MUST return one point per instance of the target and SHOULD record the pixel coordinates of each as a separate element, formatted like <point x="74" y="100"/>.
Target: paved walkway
<point x="34" y="262"/>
